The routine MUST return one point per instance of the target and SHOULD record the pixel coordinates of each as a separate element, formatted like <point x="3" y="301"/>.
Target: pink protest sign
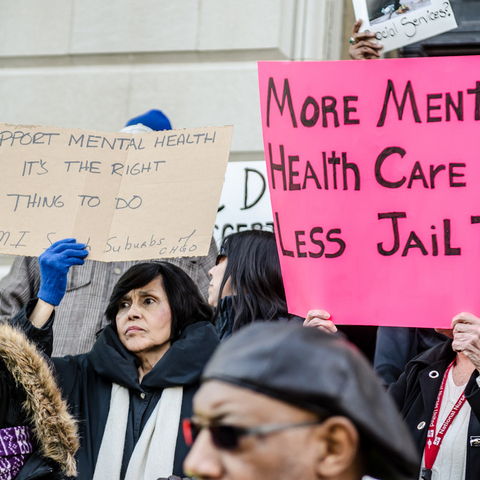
<point x="374" y="175"/>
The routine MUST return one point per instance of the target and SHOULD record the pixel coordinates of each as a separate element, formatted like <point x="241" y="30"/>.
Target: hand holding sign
<point x="55" y="263"/>
<point x="466" y="337"/>
<point x="363" y="45"/>
<point x="397" y="23"/>
<point x="320" y="319"/>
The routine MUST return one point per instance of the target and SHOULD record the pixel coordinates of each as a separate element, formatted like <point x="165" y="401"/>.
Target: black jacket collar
<point x="181" y="365"/>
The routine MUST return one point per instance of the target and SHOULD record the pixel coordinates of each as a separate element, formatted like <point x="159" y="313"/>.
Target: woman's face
<point x="216" y="276"/>
<point x="144" y="321"/>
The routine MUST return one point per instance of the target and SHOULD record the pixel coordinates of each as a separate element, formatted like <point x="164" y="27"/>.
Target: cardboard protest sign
<point x="245" y="201"/>
<point x="127" y="196"/>
<point x="375" y="186"/>
<point x="399" y="23"/>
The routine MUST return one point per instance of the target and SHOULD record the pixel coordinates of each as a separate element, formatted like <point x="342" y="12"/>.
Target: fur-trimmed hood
<point x="54" y="429"/>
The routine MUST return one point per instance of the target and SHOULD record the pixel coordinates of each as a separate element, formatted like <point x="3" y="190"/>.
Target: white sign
<point x="397" y="23"/>
<point x="245" y="200"/>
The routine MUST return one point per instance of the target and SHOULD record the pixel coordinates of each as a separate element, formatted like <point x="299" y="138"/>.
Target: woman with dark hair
<point x="246" y="285"/>
<point x="186" y="305"/>
<point x="132" y="390"/>
<point x="246" y="282"/>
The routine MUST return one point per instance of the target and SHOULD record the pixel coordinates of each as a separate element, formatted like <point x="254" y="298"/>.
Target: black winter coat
<point x="226" y="318"/>
<point x="38" y="467"/>
<point x="416" y="392"/>
<point x="86" y="381"/>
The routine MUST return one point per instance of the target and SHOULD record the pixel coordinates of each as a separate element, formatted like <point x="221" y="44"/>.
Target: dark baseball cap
<point x="324" y="374"/>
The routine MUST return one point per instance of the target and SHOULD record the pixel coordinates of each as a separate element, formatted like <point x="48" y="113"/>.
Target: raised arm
<point x="54" y="265"/>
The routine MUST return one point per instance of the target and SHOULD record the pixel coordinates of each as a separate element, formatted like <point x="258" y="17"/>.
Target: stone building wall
<point x="96" y="63"/>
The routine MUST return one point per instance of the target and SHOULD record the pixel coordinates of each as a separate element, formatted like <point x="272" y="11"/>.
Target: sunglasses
<point x="227" y="437"/>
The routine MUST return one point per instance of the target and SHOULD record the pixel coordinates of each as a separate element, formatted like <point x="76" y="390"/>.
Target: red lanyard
<point x="434" y="442"/>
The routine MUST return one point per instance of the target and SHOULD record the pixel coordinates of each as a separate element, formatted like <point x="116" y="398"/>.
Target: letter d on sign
<point x="246" y="206"/>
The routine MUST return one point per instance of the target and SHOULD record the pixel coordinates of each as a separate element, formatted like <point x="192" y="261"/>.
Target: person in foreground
<point x="132" y="389"/>
<point x="439" y="397"/>
<point x="279" y="401"/>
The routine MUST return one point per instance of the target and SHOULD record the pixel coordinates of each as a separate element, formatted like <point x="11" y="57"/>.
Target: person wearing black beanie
<point x="279" y="401"/>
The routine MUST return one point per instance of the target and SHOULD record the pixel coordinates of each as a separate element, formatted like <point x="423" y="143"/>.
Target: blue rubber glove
<point x="54" y="265"/>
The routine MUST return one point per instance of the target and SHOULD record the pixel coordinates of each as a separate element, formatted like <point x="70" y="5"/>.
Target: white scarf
<point x="159" y="436"/>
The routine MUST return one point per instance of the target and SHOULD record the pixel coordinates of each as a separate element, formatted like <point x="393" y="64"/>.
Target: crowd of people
<point x="276" y="398"/>
<point x="195" y="367"/>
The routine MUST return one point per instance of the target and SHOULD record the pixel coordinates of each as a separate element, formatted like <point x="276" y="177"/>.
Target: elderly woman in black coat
<point x="132" y="390"/>
<point x="439" y="397"/>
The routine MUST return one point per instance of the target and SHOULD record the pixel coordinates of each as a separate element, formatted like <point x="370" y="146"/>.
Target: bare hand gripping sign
<point x="400" y="23"/>
<point x="128" y="197"/>
<point x="374" y="172"/>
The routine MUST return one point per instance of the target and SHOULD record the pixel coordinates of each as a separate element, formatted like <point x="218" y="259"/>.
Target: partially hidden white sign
<point x="399" y="23"/>
<point x="245" y="201"/>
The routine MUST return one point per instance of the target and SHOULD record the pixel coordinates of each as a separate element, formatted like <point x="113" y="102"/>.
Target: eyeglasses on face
<point x="227" y="437"/>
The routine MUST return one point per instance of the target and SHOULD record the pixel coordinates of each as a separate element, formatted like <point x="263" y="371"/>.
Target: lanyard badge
<point x="434" y="441"/>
